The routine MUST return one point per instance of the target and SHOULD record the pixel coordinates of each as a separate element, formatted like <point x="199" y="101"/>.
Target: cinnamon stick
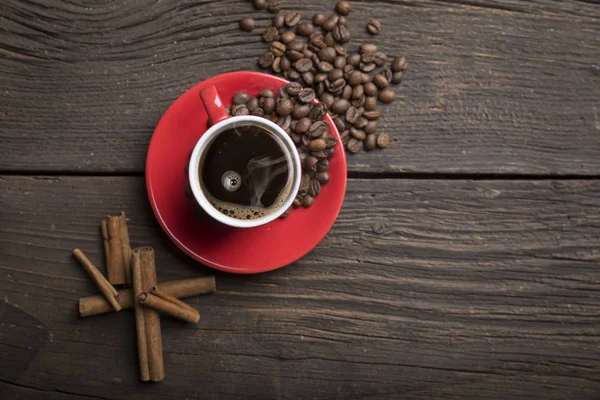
<point x="126" y="244"/>
<point x="108" y="291"/>
<point x="151" y="318"/>
<point x="104" y="229"/>
<point x="115" y="262"/>
<point x="140" y="322"/>
<point x="97" y="305"/>
<point x="187" y="314"/>
<point x="155" y="290"/>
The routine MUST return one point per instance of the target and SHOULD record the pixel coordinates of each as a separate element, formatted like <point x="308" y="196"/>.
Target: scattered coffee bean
<point x="310" y="163"/>
<point x="370" y="103"/>
<point x="317" y="130"/>
<point x="355" y="145"/>
<point x="276" y="64"/>
<point x="247" y="24"/>
<point x="318" y="112"/>
<point x="352" y="115"/>
<point x="305" y="29"/>
<point x="399" y="64"/>
<point x="327" y="99"/>
<point x="383" y="140"/>
<point x="339" y="62"/>
<point x="387" y="95"/>
<point x="239" y="109"/>
<point x="380" y="81"/>
<point x="355" y="78"/>
<point x="288" y="37"/>
<point x="318" y="19"/>
<point x="347" y="92"/>
<point x="287" y="212"/>
<point x="367" y="48"/>
<point x="357" y="133"/>
<point x="307" y="201"/>
<point x="367" y="67"/>
<point x="241" y="98"/>
<point x="284" y="107"/>
<point x="361" y="122"/>
<point x="397" y="77"/>
<point x="303" y="65"/>
<point x="306" y="95"/>
<point x="339" y="124"/>
<point x="343" y="7"/>
<point x="372" y="115"/>
<point x="370" y="89"/>
<point x="341" y="33"/>
<point x="371" y="142"/>
<point x="330" y="22"/>
<point x="340" y="106"/>
<point x="292" y="19"/>
<point x="266" y="60"/>
<point x="303" y="125"/>
<point x="252" y="103"/>
<point x="343" y="21"/>
<point x="273" y="6"/>
<point x="327" y="54"/>
<point x="374" y="27"/>
<point x="259" y="4"/>
<point x="317" y="144"/>
<point x="278" y="49"/>
<point x="323" y="165"/>
<point x="285" y="63"/>
<point x="270" y="34"/>
<point x="279" y="20"/>
<point x="371" y="127"/>
<point x="322" y="177"/>
<point x="358" y="92"/>
<point x="293" y="88"/>
<point x="315" y="188"/>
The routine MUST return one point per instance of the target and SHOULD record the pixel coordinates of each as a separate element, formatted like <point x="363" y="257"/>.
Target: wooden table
<point x="465" y="263"/>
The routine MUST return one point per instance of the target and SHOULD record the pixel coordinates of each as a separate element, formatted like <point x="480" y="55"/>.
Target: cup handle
<point x="213" y="105"/>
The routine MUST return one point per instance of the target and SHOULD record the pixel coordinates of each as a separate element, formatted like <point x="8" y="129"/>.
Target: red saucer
<point x="237" y="250"/>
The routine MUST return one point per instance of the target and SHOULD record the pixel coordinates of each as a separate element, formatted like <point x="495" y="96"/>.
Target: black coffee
<point x="245" y="172"/>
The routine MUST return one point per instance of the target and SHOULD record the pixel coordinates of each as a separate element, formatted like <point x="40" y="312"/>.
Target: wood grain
<point x="423" y="289"/>
<point x="494" y="86"/>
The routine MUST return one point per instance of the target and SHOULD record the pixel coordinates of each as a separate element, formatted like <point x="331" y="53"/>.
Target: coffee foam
<point x="249" y="213"/>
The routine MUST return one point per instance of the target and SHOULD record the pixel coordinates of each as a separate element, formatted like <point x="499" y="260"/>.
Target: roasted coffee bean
<point x="359" y="102"/>
<point x="380" y="59"/>
<point x="252" y="103"/>
<point x="305" y="140"/>
<point x="330" y="23"/>
<point x="306" y="95"/>
<point x="301" y="111"/>
<point x="303" y="65"/>
<point x="277" y="65"/>
<point x="321" y="154"/>
<point x="339" y="62"/>
<point x="293" y="125"/>
<point x="372" y="115"/>
<point x="295" y="55"/>
<point x="266" y="93"/>
<point x="371" y="127"/>
<point x="284" y="107"/>
<point x="247" y="24"/>
<point x="322" y="177"/>
<point x="285" y="64"/>
<point x="259" y="4"/>
<point x="343" y="7"/>
<point x="293" y="75"/>
<point x="318" y="112"/>
<point x="366" y="78"/>
<point x="315" y="188"/>
<point x="292" y="18"/>
<point x="341" y="33"/>
<point x="308" y="53"/>
<point x="339" y="124"/>
<point x="352" y="115"/>
<point x="343" y="21"/>
<point x="241" y="98"/>
<point x="397" y="77"/>
<point x="320" y="88"/>
<point x="354" y="59"/>
<point x="355" y="78"/>
<point x="303" y="125"/>
<point x="354" y="145"/>
<point x="340" y="106"/>
<point x="324" y="66"/>
<point x="286" y="213"/>
<point x="284" y="122"/>
<point x="346" y="92"/>
<point x="318" y="19"/>
<point x="296" y="138"/>
<point x="374" y="27"/>
<point x="364" y="67"/>
<point x="361" y="122"/>
<point x="387" y="95"/>
<point x="380" y="81"/>
<point x="278" y="21"/>
<point x="317" y="129"/>
<point x="317" y="144"/>
<point x="383" y="140"/>
<point x="305" y="29"/>
<point x="358" y="91"/>
<point x="340" y="50"/>
<point x="278" y="49"/>
<point x="239" y="109"/>
<point x="357" y="133"/>
<point x="370" y="142"/>
<point x="320" y="77"/>
<point x="297" y="202"/>
<point x="370" y="103"/>
<point x="288" y="37"/>
<point x="370" y="89"/>
<point x="327" y="99"/>
<point x="266" y="59"/>
<point x="307" y="201"/>
<point x="273" y="6"/>
<point x="267" y="104"/>
<point x="322" y="165"/>
<point x="308" y="78"/>
<point x="399" y="64"/>
<point x="331" y="141"/>
<point x="310" y="163"/>
<point x="387" y="74"/>
<point x="329" y="40"/>
<point x="270" y="34"/>
<point x="293" y="88"/>
<point x="345" y="137"/>
<point x="327" y="54"/>
<point x="297" y="45"/>
<point x="336" y="86"/>
<point x="304" y="183"/>
<point x="367" y="48"/>
<point x="348" y="69"/>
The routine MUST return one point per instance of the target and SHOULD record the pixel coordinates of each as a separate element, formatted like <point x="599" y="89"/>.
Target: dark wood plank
<point x="423" y="289"/>
<point x="495" y="86"/>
